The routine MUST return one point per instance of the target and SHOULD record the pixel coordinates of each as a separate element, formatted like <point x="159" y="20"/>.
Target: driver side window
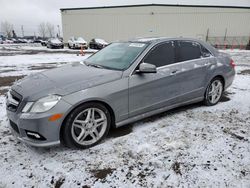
<point x="161" y="55"/>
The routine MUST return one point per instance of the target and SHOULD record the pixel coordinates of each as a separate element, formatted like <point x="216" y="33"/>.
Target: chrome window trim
<point x="182" y="62"/>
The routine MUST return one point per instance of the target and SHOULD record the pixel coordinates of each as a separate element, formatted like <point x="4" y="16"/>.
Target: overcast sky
<point x="30" y="13"/>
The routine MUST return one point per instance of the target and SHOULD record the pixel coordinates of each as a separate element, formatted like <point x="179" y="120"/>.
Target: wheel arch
<point x="110" y="109"/>
<point x="222" y="79"/>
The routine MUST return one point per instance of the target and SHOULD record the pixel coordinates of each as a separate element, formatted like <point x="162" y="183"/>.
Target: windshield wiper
<point x="95" y="65"/>
<point x="100" y="66"/>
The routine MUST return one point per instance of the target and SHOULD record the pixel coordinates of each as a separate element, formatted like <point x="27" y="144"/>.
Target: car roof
<point x="156" y="40"/>
<point x="161" y="39"/>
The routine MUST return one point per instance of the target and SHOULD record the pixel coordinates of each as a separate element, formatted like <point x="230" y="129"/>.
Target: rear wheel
<point x="214" y="92"/>
<point x="86" y="126"/>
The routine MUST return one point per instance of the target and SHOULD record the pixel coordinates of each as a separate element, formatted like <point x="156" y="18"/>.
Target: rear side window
<point x="188" y="51"/>
<point x="161" y="55"/>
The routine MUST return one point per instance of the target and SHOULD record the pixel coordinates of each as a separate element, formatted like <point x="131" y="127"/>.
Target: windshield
<point x="118" y="56"/>
<point x="101" y="41"/>
<point x="80" y="39"/>
<point x="56" y="40"/>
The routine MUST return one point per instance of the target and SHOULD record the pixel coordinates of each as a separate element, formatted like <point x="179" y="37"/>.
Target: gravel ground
<point x="191" y="146"/>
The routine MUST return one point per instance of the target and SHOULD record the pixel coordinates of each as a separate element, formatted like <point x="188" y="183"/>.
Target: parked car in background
<point x="78" y="103"/>
<point x="37" y="41"/>
<point x="77" y="43"/>
<point x="44" y="42"/>
<point x="55" y="43"/>
<point x="1" y="40"/>
<point x="97" y="44"/>
<point x="8" y="41"/>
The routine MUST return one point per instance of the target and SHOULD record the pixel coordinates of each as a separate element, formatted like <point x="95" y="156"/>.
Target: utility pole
<point x="22" y="30"/>
<point x="58" y="30"/>
<point x="225" y="36"/>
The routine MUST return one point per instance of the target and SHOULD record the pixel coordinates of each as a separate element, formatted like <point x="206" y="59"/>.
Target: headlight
<point x="42" y="105"/>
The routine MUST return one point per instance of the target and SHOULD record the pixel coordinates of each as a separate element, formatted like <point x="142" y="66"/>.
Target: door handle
<point x="206" y="63"/>
<point x="174" y="72"/>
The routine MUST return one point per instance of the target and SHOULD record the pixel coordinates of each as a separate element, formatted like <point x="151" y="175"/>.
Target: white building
<point x="125" y="22"/>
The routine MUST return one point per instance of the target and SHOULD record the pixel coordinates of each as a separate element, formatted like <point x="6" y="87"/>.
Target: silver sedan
<point x="77" y="104"/>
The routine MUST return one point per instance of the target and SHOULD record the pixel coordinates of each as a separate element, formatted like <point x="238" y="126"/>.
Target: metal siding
<point x="129" y="22"/>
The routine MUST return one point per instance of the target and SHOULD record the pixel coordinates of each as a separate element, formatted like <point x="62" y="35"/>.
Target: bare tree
<point x="7" y="28"/>
<point x="42" y="30"/>
<point x="50" y="29"/>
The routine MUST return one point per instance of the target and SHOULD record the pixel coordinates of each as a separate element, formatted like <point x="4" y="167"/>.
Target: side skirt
<point x="157" y="111"/>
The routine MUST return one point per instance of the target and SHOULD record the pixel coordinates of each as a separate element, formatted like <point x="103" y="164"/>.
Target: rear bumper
<point x="57" y="47"/>
<point x="36" y="129"/>
<point x="229" y="78"/>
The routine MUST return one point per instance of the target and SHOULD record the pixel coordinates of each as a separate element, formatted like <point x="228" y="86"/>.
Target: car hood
<point x="63" y="81"/>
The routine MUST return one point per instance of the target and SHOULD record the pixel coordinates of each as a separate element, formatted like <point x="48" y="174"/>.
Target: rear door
<point x="193" y="68"/>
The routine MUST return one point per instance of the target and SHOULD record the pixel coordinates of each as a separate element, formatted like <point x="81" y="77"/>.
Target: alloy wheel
<point x="215" y="91"/>
<point x="89" y="126"/>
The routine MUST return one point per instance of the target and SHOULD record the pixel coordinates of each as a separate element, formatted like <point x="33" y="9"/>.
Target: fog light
<point x="35" y="135"/>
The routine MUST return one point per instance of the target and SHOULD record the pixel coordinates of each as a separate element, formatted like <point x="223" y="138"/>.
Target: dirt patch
<point x="102" y="173"/>
<point x="11" y="52"/>
<point x="234" y="135"/>
<point x="245" y="72"/>
<point x="59" y="182"/>
<point x="177" y="168"/>
<point x="7" y="70"/>
<point x="122" y="131"/>
<point x="3" y="91"/>
<point x="40" y="67"/>
<point x="8" y="80"/>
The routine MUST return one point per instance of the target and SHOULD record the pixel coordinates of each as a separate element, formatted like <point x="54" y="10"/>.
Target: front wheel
<point x="86" y="126"/>
<point x="214" y="92"/>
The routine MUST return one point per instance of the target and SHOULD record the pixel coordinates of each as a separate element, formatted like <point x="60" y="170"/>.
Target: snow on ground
<point x="192" y="146"/>
<point x="26" y="64"/>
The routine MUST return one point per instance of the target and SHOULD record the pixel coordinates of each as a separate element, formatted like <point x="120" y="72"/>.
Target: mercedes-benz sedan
<point x="77" y="104"/>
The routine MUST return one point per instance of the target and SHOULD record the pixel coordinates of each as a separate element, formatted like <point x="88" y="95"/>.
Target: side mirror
<point x="204" y="54"/>
<point x="146" y="68"/>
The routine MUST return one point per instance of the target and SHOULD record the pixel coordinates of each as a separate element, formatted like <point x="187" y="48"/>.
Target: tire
<point x="69" y="46"/>
<point x="80" y="130"/>
<point x="214" y="92"/>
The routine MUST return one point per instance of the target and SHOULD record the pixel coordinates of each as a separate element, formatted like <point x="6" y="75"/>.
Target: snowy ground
<point x="192" y="146"/>
<point x="22" y="49"/>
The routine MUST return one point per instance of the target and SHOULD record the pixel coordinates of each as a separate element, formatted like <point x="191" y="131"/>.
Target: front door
<point x="150" y="91"/>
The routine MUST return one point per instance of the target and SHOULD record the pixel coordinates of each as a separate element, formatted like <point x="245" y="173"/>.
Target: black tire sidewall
<point x="67" y="137"/>
<point x="206" y="100"/>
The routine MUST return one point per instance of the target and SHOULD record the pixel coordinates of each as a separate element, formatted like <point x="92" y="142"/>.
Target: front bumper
<point x="56" y="46"/>
<point x="78" y="45"/>
<point x="24" y="124"/>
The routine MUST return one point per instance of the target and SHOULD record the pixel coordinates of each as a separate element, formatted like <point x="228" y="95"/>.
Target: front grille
<point x="14" y="126"/>
<point x="13" y="100"/>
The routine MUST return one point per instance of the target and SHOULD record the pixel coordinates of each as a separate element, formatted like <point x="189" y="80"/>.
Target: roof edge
<point x="169" y="5"/>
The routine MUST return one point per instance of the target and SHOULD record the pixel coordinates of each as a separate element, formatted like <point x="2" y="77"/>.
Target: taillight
<point x="232" y="63"/>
